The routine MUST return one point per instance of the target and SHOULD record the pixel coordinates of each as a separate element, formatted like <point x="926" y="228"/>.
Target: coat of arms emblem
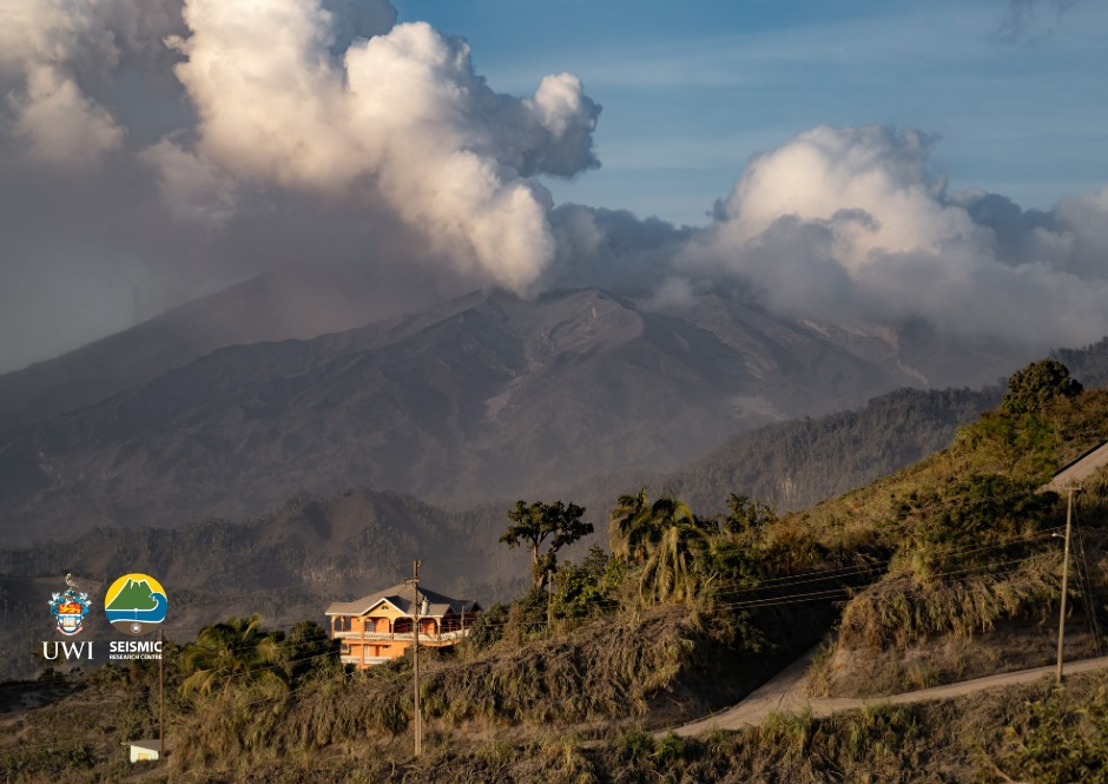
<point x="69" y="608"/>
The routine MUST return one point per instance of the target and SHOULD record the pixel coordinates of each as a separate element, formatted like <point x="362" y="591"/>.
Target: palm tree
<point x="665" y="538"/>
<point x="676" y="537"/>
<point x="629" y="526"/>
<point x="233" y="650"/>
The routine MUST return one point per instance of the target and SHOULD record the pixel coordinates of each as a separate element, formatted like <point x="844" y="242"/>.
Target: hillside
<point x="1034" y="733"/>
<point x="280" y="305"/>
<point x="794" y="465"/>
<point x="946" y="570"/>
<point x="1089" y="365"/>
<point x="967" y="553"/>
<point x="312" y="549"/>
<point x="487" y="396"/>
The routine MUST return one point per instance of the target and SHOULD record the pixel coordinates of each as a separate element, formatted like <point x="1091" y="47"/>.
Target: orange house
<point x="378" y="628"/>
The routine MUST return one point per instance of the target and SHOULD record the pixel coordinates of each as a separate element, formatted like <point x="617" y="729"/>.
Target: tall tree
<point x="536" y="523"/>
<point x="1034" y="387"/>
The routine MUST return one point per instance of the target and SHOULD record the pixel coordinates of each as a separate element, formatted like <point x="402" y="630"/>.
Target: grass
<point x="902" y="610"/>
<point x="966" y="538"/>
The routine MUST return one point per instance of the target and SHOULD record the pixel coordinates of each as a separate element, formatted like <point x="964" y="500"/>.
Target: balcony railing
<point x="367" y="660"/>
<point x="457" y="634"/>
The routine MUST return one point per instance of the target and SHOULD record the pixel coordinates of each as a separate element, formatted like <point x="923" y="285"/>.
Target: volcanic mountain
<point x="484" y="397"/>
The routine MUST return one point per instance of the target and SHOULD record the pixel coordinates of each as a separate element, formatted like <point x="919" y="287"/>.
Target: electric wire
<point x="1085" y="582"/>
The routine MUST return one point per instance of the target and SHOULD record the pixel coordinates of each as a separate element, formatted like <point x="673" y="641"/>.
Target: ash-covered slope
<point x="278" y="305"/>
<point x="488" y="396"/>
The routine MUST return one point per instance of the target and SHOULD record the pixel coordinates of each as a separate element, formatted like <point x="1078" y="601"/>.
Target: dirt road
<point x="785" y="694"/>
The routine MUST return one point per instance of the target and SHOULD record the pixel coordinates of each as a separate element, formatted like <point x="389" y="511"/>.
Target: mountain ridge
<point x="486" y="396"/>
<point x="489" y="394"/>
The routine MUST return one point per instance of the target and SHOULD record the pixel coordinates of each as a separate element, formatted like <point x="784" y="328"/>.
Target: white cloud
<point x="850" y="224"/>
<point x="1081" y="244"/>
<point x="871" y="183"/>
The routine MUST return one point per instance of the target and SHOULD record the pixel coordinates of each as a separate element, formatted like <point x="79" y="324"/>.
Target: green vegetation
<point x="235" y="650"/>
<point x="1062" y="736"/>
<point x="967" y="542"/>
<point x="537" y="522"/>
<point x="947" y="570"/>
<point x="665" y="540"/>
<point x="1036" y="386"/>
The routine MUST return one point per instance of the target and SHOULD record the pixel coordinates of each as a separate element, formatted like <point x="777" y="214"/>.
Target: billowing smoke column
<point x="402" y="120"/>
<point x="397" y="120"/>
<point x="49" y="51"/>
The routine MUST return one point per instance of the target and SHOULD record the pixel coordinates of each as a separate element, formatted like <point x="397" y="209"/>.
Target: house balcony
<point x="369" y="636"/>
<point x="368" y="660"/>
<point x="402" y="636"/>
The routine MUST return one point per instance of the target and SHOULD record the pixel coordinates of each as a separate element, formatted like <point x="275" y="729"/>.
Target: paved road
<point x="784" y="693"/>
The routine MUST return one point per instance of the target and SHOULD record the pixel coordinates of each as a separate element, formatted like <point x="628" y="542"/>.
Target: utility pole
<point x="414" y="582"/>
<point x="549" y="603"/>
<point x="1065" y="577"/>
<point x="161" y="694"/>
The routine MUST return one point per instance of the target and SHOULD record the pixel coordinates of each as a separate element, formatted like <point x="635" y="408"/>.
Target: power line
<point x="1086" y="586"/>
<point x="822" y="575"/>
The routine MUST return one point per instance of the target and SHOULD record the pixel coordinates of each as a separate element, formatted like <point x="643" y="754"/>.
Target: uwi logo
<point x="69" y="609"/>
<point x="71" y="650"/>
<point x="136" y="604"/>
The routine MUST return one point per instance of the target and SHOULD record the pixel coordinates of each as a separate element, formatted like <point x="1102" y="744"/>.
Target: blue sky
<point x="690" y="91"/>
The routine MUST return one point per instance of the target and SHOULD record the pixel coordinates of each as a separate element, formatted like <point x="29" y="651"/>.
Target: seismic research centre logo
<point x="136" y="604"/>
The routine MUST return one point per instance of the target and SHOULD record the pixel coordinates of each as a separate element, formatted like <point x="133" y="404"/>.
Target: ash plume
<point x="231" y="115"/>
<point x="153" y="152"/>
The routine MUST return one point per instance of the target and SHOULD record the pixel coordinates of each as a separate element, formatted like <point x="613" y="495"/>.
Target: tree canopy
<point x="664" y="538"/>
<point x="234" y="649"/>
<point x="536" y="523"/>
<point x="1034" y="387"/>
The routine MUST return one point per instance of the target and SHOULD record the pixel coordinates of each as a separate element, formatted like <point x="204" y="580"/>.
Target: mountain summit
<point x="134" y="596"/>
